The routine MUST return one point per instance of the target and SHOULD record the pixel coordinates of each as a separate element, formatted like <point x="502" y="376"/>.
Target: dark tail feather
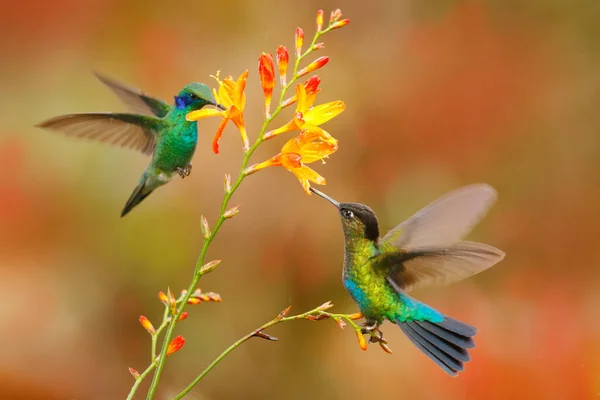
<point x="446" y="342"/>
<point x="139" y="194"/>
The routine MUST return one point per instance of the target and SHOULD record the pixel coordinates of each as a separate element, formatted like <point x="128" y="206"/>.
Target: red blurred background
<point x="438" y="95"/>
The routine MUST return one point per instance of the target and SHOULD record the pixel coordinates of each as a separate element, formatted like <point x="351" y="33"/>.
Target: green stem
<point x="197" y="272"/>
<point x="139" y="380"/>
<point x="275" y="321"/>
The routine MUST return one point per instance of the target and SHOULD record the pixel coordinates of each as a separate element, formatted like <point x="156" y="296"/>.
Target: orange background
<point x="437" y="95"/>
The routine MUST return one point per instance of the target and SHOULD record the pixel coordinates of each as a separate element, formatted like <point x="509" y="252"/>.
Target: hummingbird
<point x="424" y="250"/>
<point x="154" y="128"/>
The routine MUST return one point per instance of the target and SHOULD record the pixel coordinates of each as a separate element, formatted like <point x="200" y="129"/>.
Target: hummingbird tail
<point x="445" y="342"/>
<point x="139" y="193"/>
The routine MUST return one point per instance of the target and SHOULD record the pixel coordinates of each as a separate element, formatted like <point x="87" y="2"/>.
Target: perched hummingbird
<point x="157" y="129"/>
<point x="422" y="251"/>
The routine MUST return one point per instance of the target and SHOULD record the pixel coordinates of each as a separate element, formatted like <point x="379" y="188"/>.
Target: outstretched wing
<point x="126" y="130"/>
<point x="445" y="221"/>
<point x="136" y="100"/>
<point x="442" y="266"/>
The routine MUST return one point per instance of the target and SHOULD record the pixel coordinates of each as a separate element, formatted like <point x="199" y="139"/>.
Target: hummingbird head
<point x="358" y="220"/>
<point x="194" y="96"/>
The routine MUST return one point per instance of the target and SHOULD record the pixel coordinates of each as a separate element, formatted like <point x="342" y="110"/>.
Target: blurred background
<point x="439" y="94"/>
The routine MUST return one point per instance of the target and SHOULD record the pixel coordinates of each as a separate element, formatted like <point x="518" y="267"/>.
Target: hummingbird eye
<point x="347" y="214"/>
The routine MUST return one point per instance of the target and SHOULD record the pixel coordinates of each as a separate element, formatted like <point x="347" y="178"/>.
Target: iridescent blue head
<point x="194" y="96"/>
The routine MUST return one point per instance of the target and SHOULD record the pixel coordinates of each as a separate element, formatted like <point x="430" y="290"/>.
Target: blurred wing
<point x="137" y="101"/>
<point x="445" y="221"/>
<point x="126" y="130"/>
<point x="444" y="266"/>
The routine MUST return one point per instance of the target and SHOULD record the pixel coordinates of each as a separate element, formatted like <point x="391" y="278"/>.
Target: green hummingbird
<point x="424" y="250"/>
<point x="156" y="129"/>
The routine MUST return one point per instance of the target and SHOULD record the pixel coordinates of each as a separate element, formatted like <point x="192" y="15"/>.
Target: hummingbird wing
<point x="428" y="242"/>
<point x="442" y="266"/>
<point x="126" y="130"/>
<point x="137" y="101"/>
<point x="445" y="221"/>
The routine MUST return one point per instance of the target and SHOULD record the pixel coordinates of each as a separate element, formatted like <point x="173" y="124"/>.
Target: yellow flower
<point x="313" y="144"/>
<point x="231" y="96"/>
<point x="307" y="116"/>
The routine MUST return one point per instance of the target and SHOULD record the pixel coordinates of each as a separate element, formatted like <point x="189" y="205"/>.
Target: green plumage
<point x="424" y="250"/>
<point x="158" y="129"/>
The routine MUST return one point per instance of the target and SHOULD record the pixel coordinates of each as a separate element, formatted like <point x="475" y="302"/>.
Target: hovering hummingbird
<point x="422" y="251"/>
<point x="157" y="129"/>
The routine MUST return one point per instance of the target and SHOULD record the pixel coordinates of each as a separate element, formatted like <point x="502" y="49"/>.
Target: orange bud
<point x="147" y="325"/>
<point x="318" y="46"/>
<point x="340" y="323"/>
<point x="335" y="15"/>
<point x="227" y="183"/>
<point x="299" y="41"/>
<point x="134" y="373"/>
<point x="163" y="297"/>
<point x="209" y="266"/>
<point x="283" y="58"/>
<point x="355" y="316"/>
<point x="232" y="212"/>
<point x="339" y="24"/>
<point x="284" y="313"/>
<point x="172" y="302"/>
<point x="175" y="345"/>
<point x="361" y="340"/>
<point x="320" y="16"/>
<point x="205" y="228"/>
<point x="325" y="306"/>
<point x="194" y="300"/>
<point x="266" y="71"/>
<point x="313" y="66"/>
<point x="183" y="316"/>
<point x="312" y="84"/>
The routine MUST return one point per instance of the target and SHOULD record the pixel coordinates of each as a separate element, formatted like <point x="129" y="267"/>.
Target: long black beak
<point x="323" y="195"/>
<point x="220" y="107"/>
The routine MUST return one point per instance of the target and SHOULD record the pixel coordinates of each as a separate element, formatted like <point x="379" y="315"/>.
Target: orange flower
<point x="312" y="88"/>
<point x="306" y="115"/>
<point x="313" y="144"/>
<point x="175" y="345"/>
<point x="147" y="325"/>
<point x="231" y="96"/>
<point x="283" y="58"/>
<point x="266" y="71"/>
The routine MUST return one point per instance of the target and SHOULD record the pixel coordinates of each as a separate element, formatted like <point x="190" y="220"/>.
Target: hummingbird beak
<point x="323" y="195"/>
<point x="221" y="107"/>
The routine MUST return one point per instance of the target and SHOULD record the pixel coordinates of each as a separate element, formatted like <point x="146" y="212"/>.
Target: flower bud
<point x="145" y="322"/>
<point x="299" y="41"/>
<point x="282" y="63"/>
<point x="320" y="16"/>
<point x="266" y="71"/>
<point x="175" y="345"/>
<point x="313" y="66"/>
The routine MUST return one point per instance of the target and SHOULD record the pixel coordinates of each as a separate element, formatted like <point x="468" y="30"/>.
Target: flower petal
<point x="324" y="112"/>
<point x="305" y="174"/>
<point x="203" y="113"/>
<point x="218" y="134"/>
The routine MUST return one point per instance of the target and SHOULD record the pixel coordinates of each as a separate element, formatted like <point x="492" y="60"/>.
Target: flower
<point x="266" y="71"/>
<point x="361" y="340"/>
<point x="283" y="57"/>
<point x="306" y="115"/>
<point x="312" y="88"/>
<point x="313" y="144"/>
<point x="175" y="345"/>
<point x="231" y="96"/>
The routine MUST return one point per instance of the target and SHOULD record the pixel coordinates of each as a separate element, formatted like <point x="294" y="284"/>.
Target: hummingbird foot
<point x="369" y="326"/>
<point x="377" y="336"/>
<point x="183" y="172"/>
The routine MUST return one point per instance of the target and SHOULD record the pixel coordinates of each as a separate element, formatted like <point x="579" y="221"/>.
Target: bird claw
<point x="183" y="172"/>
<point x="369" y="326"/>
